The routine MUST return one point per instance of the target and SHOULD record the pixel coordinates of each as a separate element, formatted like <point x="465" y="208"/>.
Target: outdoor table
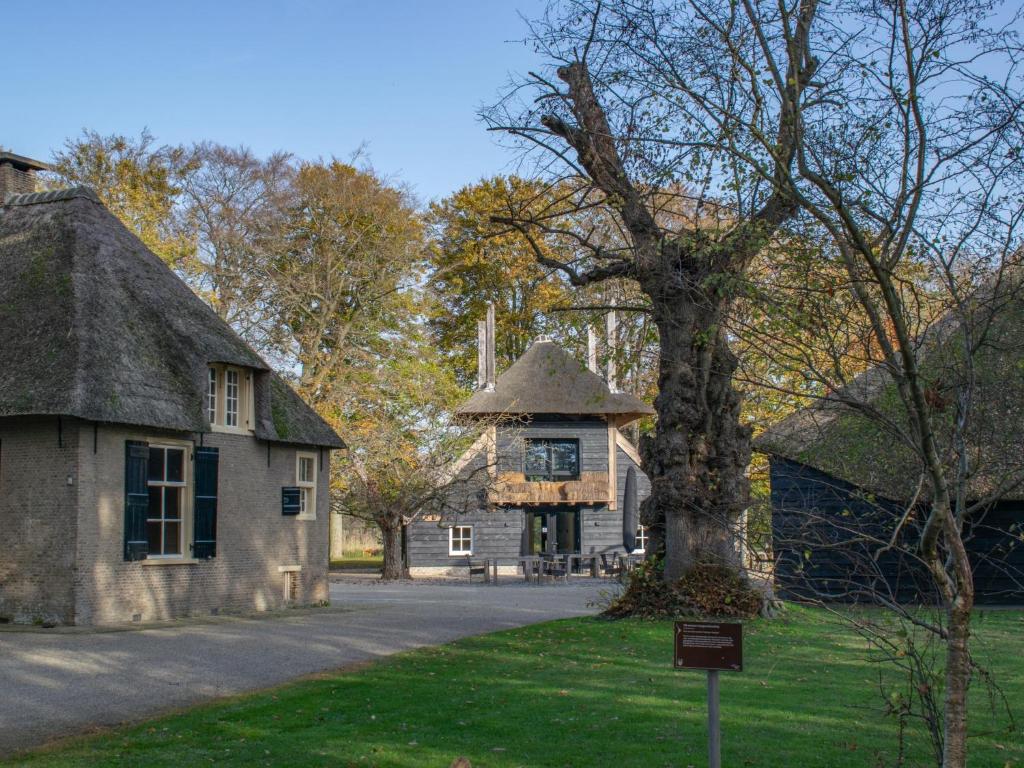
<point x="531" y="567"/>
<point x="580" y="559"/>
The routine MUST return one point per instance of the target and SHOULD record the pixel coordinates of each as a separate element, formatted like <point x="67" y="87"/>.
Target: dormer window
<point x="229" y="399"/>
<point x="211" y="396"/>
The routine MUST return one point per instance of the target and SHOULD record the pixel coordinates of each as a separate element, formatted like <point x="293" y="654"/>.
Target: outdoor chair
<point x="479" y="568"/>
<point x="611" y="565"/>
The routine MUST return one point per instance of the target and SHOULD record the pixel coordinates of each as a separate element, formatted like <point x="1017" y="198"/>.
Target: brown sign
<point x="703" y="645"/>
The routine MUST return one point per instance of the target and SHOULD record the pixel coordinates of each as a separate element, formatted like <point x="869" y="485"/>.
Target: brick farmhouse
<point x="152" y="466"/>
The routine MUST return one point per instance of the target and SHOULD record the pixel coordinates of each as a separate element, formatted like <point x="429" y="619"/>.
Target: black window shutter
<point x="204" y="544"/>
<point x="136" y="499"/>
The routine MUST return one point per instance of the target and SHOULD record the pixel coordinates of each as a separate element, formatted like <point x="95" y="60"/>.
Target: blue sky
<point x="314" y="77"/>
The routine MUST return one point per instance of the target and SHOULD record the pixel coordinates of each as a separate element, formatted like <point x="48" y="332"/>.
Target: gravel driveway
<point x="61" y="682"/>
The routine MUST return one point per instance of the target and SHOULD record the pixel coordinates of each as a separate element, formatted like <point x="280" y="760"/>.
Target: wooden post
<point x="714" y="729"/>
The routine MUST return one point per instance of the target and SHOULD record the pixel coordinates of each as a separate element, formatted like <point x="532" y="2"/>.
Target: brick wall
<point x="15" y="182"/>
<point x="37" y="520"/>
<point x="254" y="541"/>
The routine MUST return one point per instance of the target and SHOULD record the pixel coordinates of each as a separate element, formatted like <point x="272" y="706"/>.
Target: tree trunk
<point x="699" y="452"/>
<point x="958" y="677"/>
<point x="958" y="655"/>
<point x="391" y="536"/>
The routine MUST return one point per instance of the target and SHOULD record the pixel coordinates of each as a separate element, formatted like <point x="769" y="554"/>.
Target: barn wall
<point x="816" y="516"/>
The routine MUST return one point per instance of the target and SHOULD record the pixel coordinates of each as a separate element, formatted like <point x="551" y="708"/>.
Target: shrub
<point x="708" y="589"/>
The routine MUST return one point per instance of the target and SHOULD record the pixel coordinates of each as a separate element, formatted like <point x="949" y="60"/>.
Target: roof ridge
<point x="52" y="196"/>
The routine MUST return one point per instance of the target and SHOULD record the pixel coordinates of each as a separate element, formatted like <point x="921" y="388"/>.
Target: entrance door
<point x="553" y="530"/>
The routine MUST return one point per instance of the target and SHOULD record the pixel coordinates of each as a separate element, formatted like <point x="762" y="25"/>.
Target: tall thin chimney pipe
<point x="491" y="374"/>
<point x="612" y="340"/>
<point x="592" y="350"/>
<point x="481" y="354"/>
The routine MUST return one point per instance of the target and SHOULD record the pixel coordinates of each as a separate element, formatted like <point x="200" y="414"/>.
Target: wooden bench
<point x="487" y="568"/>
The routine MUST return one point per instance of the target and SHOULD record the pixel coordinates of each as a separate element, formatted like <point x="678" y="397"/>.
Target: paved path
<point x="58" y="683"/>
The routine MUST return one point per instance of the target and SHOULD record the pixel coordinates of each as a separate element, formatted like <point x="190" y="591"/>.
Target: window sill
<point x="171" y="561"/>
<point x="307" y="518"/>
<point x="231" y="430"/>
<point x="460" y="554"/>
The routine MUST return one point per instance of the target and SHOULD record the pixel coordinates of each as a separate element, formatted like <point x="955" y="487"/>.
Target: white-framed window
<point x="305" y="479"/>
<point x="460" y="540"/>
<point x="166" y="519"/>
<point x="231" y="397"/>
<point x="211" y="395"/>
<point x="230" y="404"/>
<point x="641" y="540"/>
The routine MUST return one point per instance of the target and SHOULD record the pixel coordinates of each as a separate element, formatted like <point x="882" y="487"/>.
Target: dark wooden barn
<point x="847" y="494"/>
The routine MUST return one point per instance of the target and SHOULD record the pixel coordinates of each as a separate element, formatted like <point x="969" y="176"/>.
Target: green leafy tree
<point x="140" y="182"/>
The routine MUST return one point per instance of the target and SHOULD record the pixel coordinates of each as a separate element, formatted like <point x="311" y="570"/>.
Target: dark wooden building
<point x="556" y="461"/>
<point x="842" y="483"/>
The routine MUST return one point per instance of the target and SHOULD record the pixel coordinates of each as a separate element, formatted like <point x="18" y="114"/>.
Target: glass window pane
<point x="564" y="458"/>
<point x="175" y="465"/>
<point x="536" y="461"/>
<point x="153" y="536"/>
<point x="231" y="398"/>
<point x="155" y="508"/>
<point x="156" y="463"/>
<point x="172" y="539"/>
<point x="172" y="503"/>
<point x="305" y="470"/>
<point x="211" y="396"/>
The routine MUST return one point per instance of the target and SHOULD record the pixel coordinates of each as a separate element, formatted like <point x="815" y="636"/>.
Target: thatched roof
<point x="835" y="437"/>
<point x="94" y="325"/>
<point x="548" y="380"/>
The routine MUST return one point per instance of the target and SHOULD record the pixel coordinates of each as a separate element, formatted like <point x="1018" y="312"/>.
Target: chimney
<point x="18" y="174"/>
<point x="592" y="350"/>
<point x="481" y="354"/>
<point x="612" y="341"/>
<point x="485" y="373"/>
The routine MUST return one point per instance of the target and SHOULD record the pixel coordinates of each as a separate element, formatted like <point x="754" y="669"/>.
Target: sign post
<point x="712" y="647"/>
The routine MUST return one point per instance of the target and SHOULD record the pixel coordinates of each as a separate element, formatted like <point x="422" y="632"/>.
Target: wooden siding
<point x="643" y="484"/>
<point x="592" y="435"/>
<point x="592" y="487"/>
<point x="815" y="517"/>
<point x="496" y="534"/>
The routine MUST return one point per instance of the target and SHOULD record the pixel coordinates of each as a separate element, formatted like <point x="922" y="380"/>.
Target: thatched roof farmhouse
<point x="138" y="430"/>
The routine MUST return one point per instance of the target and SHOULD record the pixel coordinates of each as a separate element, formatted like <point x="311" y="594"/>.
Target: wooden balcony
<point x="514" y="488"/>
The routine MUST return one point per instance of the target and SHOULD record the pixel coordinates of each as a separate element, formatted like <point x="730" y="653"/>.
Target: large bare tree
<point x="642" y="112"/>
<point x="909" y="161"/>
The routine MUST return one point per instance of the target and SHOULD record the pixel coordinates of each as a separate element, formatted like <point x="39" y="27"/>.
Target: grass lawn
<point x="580" y="692"/>
<point x="356" y="560"/>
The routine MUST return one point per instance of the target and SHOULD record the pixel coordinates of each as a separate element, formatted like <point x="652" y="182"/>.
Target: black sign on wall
<point x="289" y="501"/>
<point x="706" y="645"/>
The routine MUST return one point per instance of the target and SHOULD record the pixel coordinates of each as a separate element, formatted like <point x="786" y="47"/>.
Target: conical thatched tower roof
<point x="548" y="380"/>
<point x="94" y="325"/>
